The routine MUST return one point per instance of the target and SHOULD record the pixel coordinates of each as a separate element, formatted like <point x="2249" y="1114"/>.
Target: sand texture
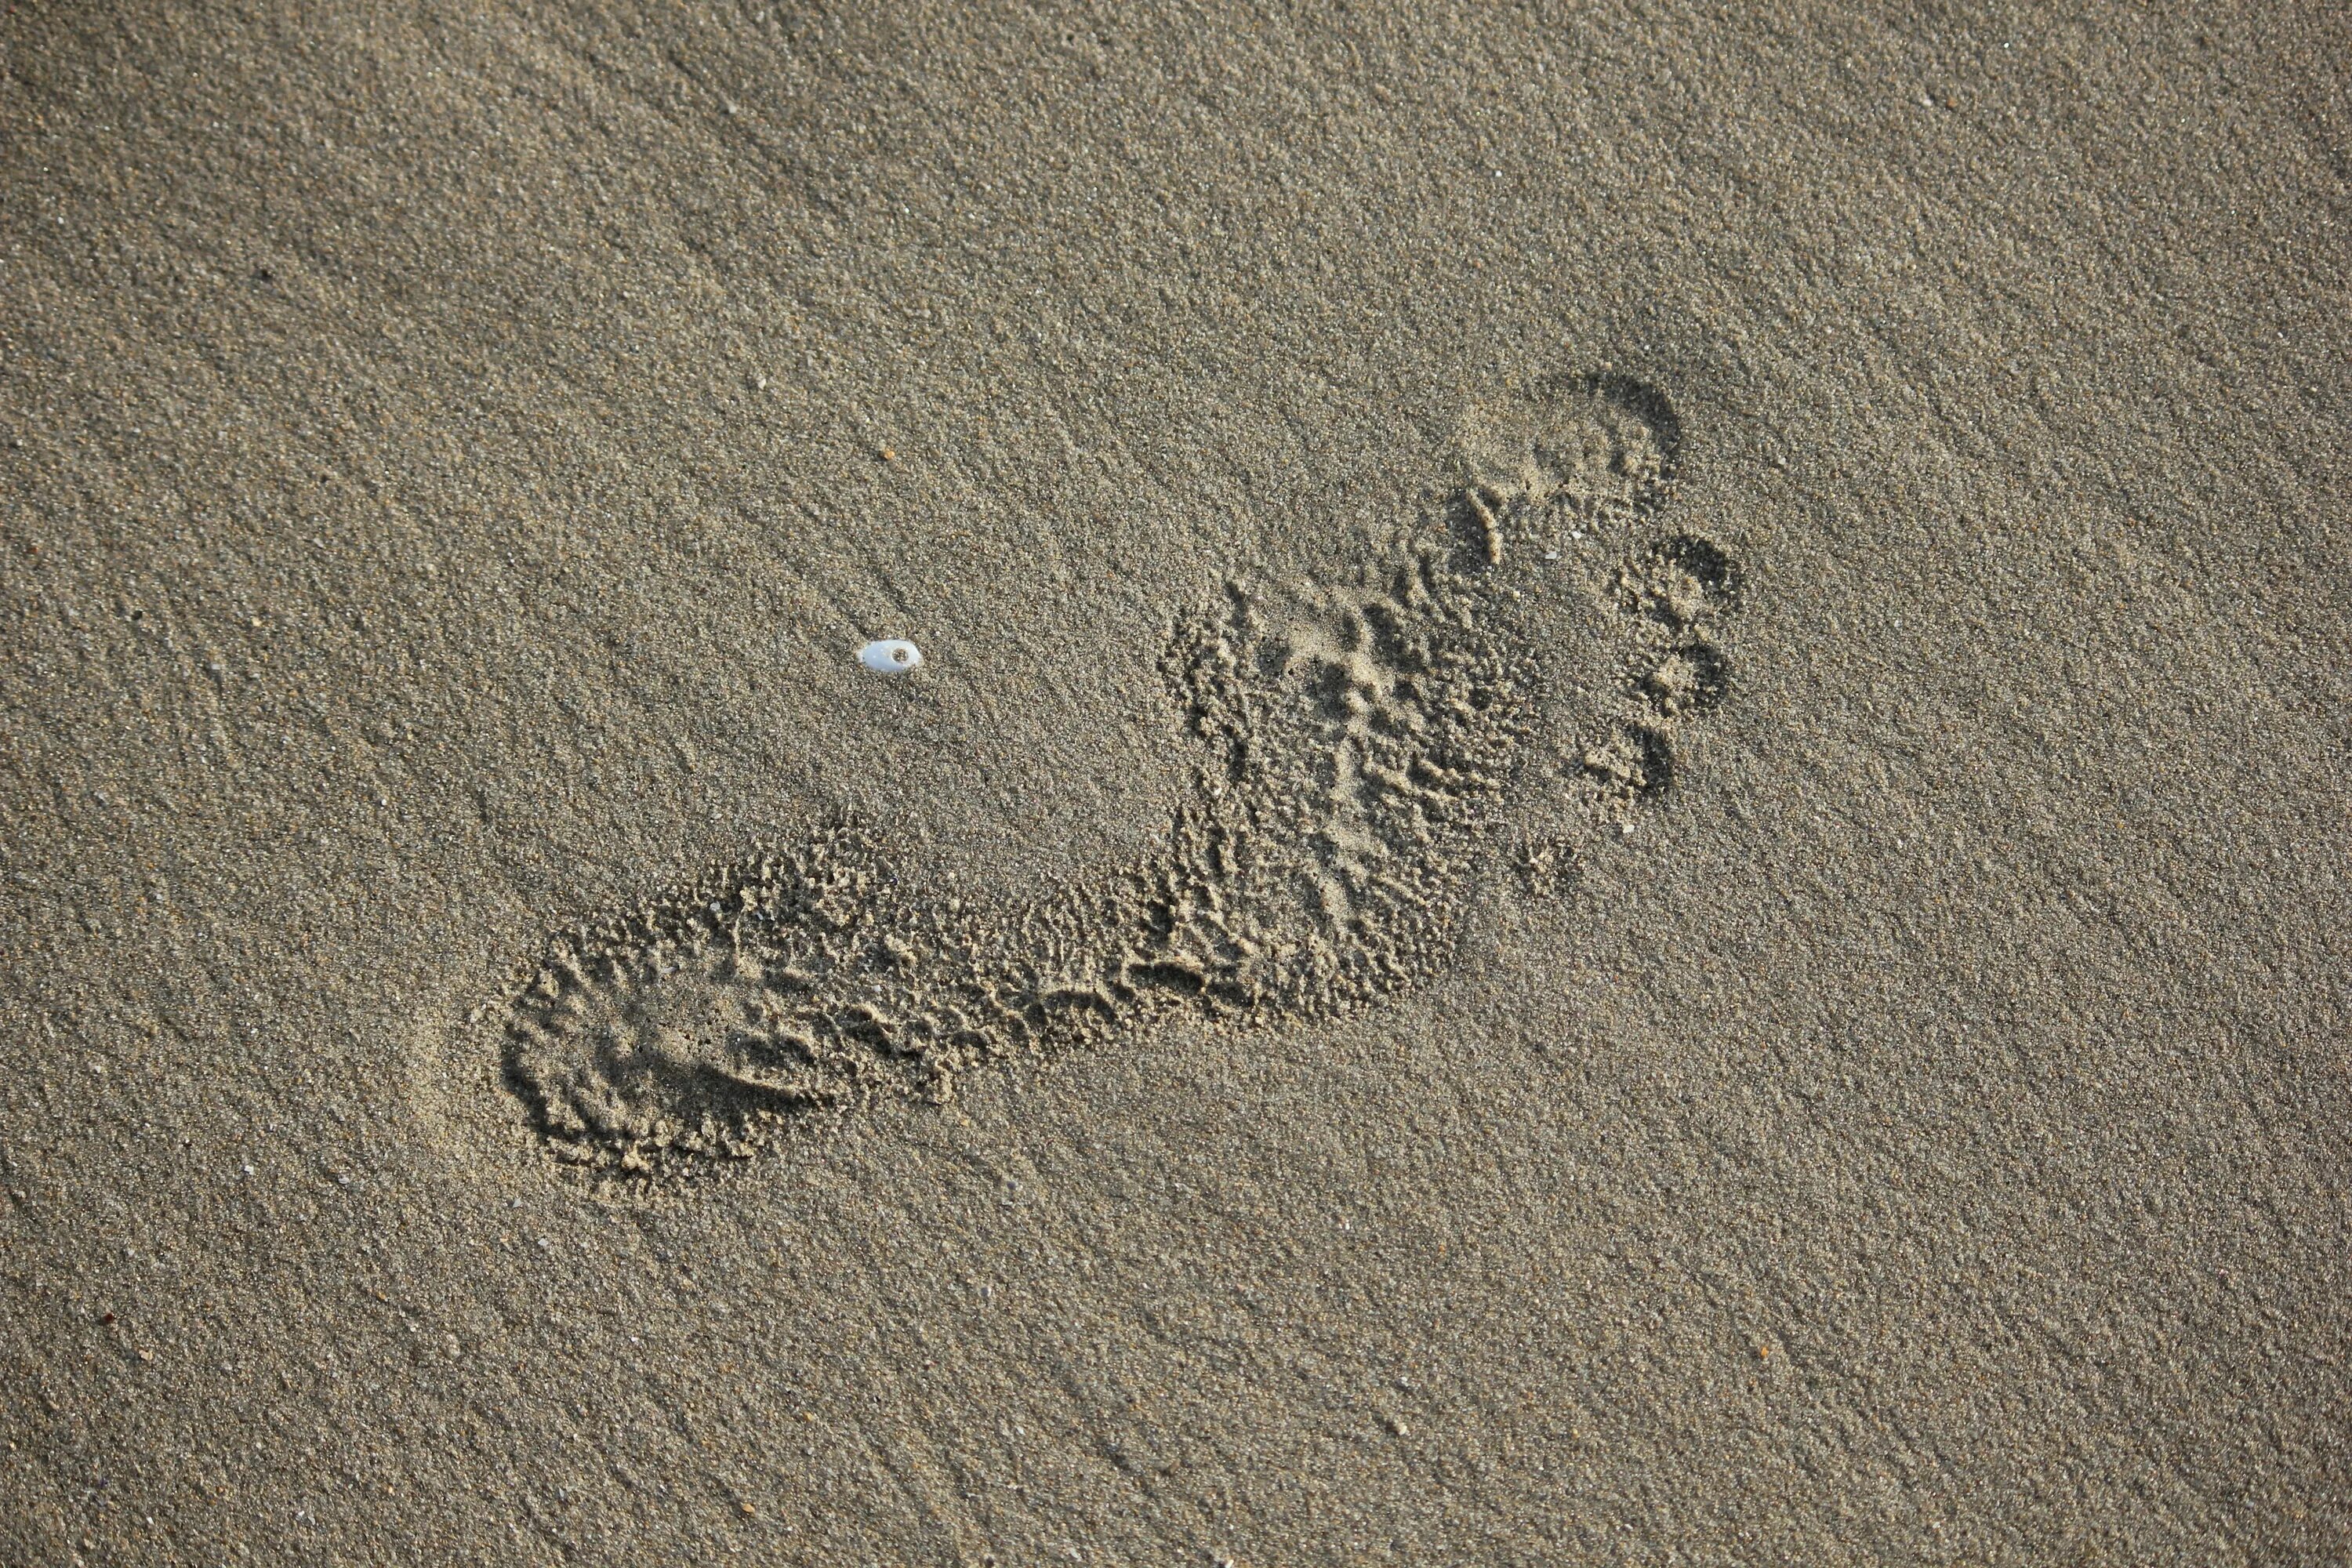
<point x="1624" y="836"/>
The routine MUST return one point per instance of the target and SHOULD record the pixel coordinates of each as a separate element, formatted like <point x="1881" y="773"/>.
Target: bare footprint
<point x="1355" y="747"/>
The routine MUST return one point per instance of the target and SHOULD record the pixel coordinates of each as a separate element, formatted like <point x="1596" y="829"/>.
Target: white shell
<point x="892" y="656"/>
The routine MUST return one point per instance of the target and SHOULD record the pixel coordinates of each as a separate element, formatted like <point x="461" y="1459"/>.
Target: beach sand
<point x="1624" y="837"/>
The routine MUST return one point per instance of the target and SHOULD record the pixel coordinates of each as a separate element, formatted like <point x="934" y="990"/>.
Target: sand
<point x="1826" y="1043"/>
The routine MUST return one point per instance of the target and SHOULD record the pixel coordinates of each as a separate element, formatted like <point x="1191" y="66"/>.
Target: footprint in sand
<point x="1357" y="749"/>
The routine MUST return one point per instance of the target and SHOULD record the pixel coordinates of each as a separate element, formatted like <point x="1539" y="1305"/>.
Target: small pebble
<point x="892" y="656"/>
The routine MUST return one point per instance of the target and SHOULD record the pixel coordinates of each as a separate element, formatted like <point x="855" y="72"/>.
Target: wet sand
<point x="1837" y="1055"/>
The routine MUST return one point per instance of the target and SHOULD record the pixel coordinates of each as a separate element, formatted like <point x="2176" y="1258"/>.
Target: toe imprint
<point x="1692" y="678"/>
